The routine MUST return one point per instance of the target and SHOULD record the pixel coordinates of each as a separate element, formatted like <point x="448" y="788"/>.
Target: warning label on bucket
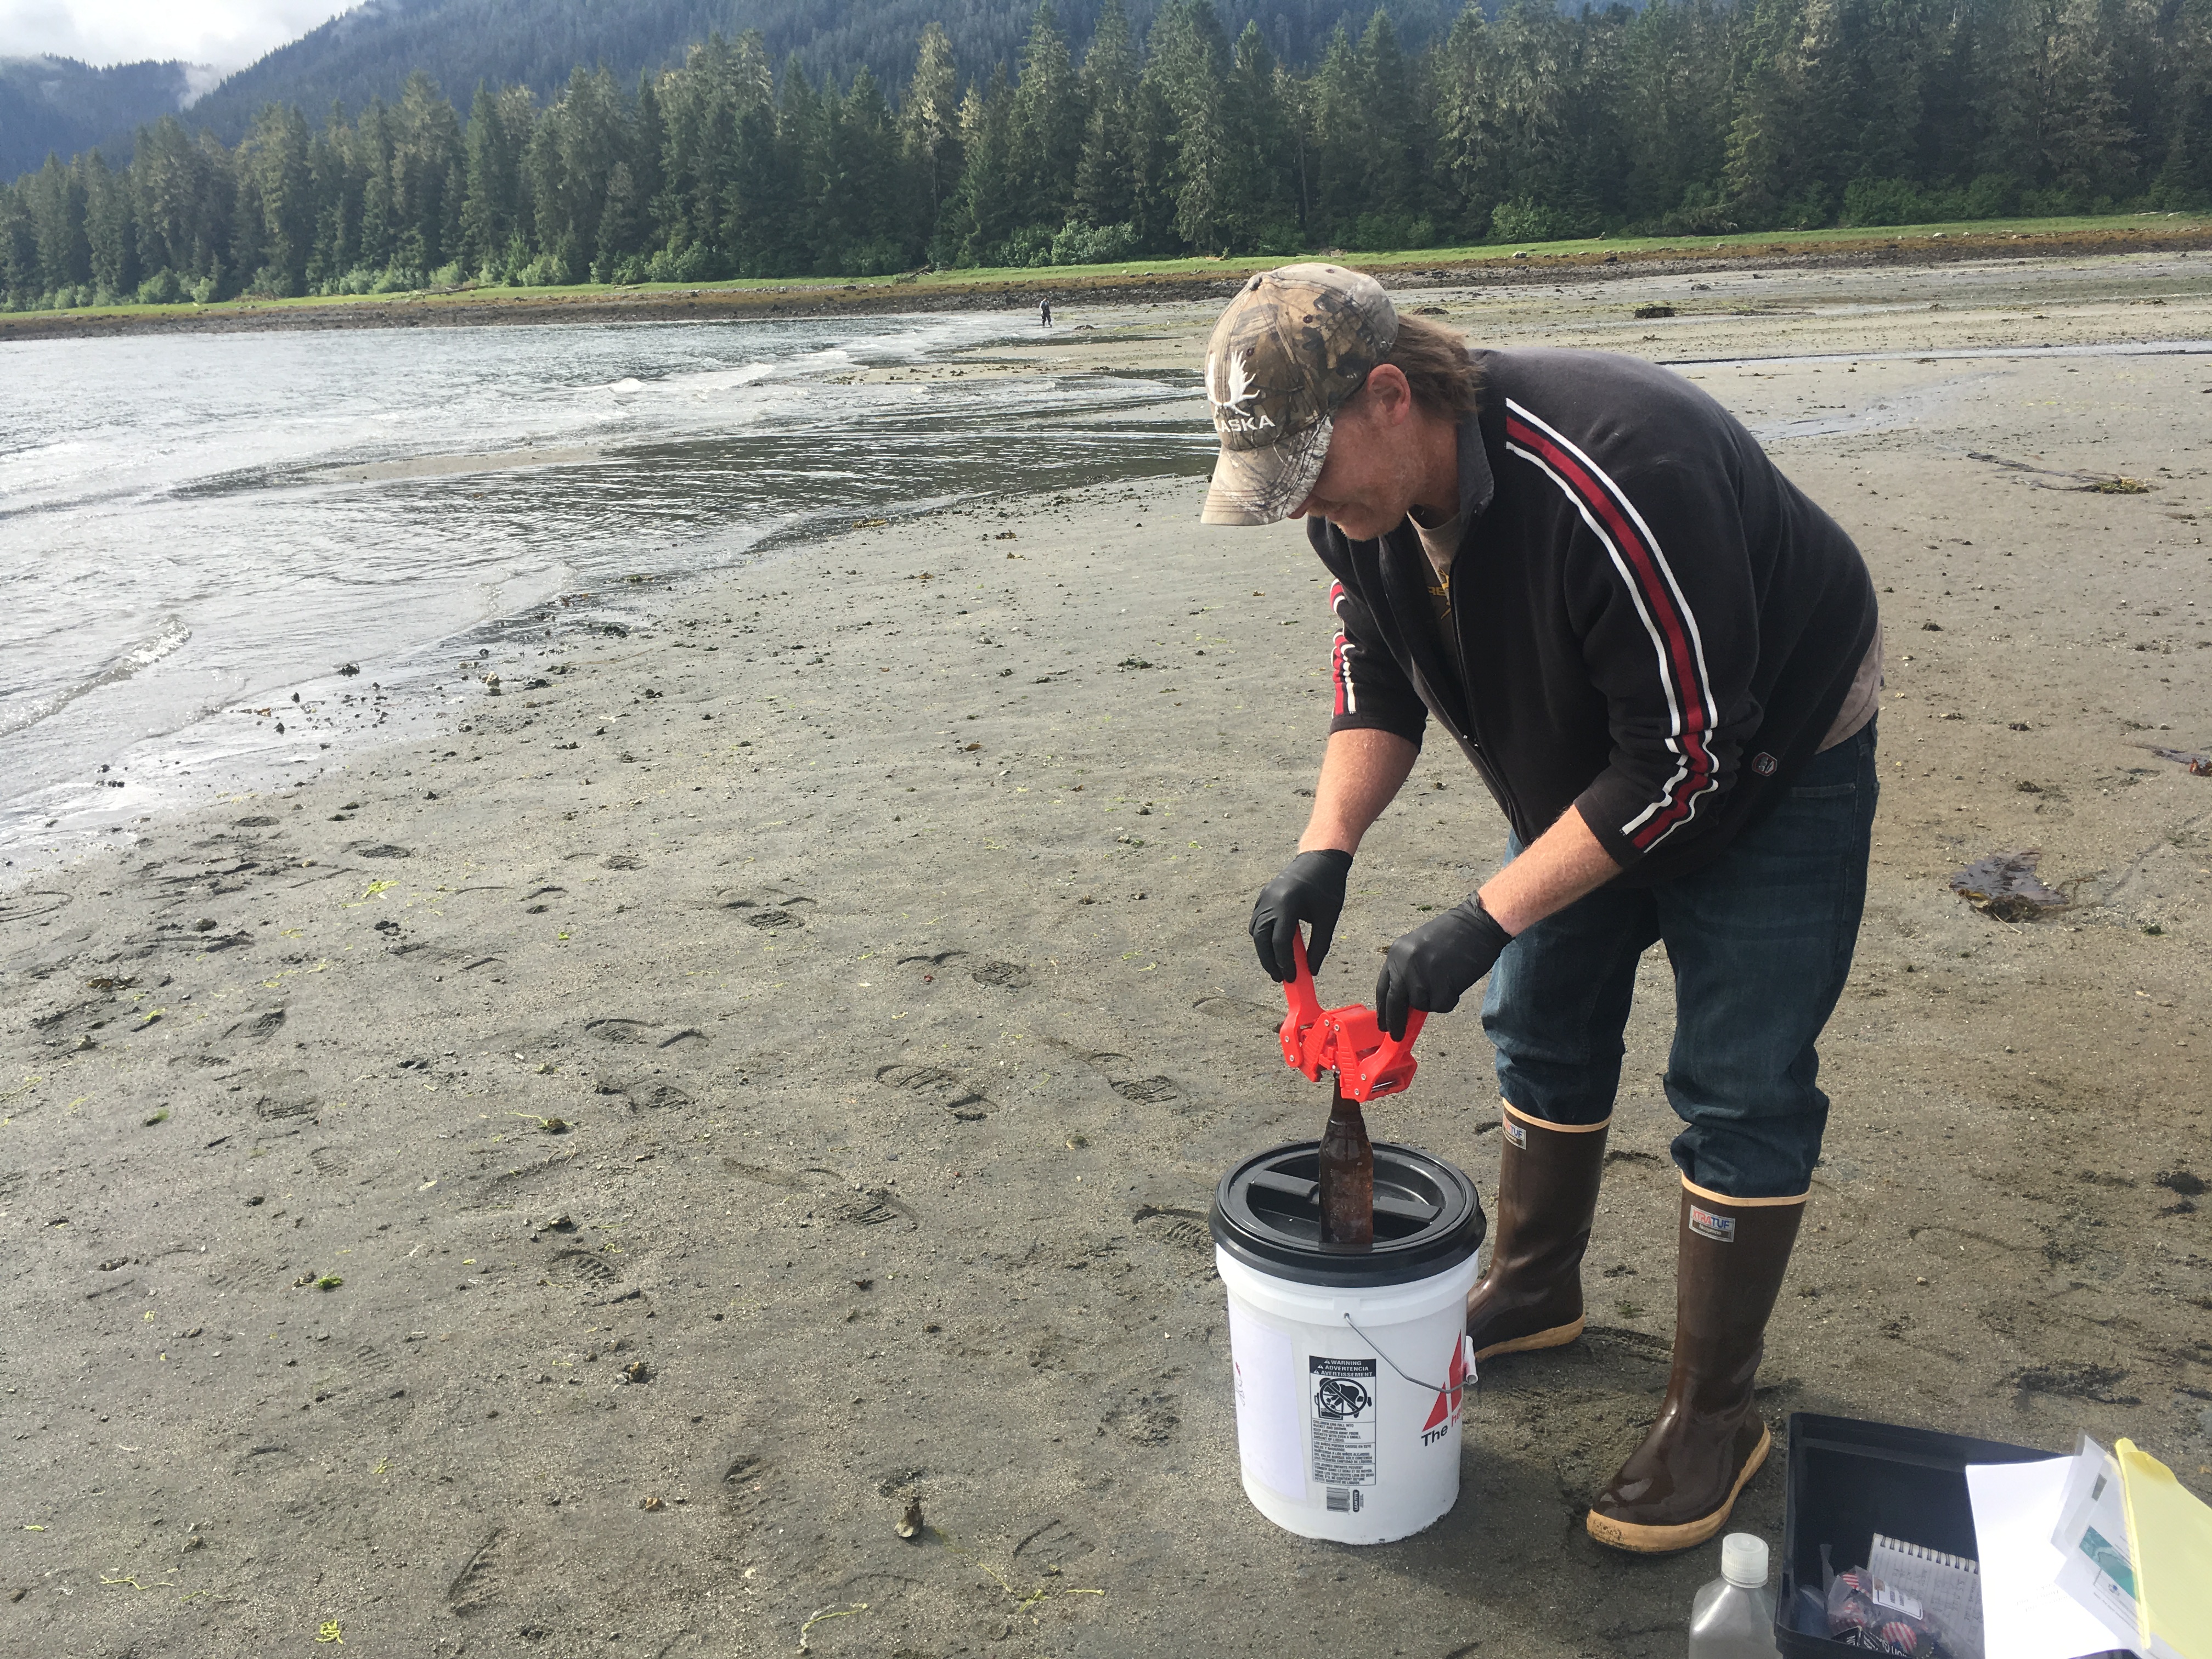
<point x="1341" y="1403"/>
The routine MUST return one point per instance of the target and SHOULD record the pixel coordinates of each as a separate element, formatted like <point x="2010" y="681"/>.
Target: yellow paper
<point x="2170" y="1539"/>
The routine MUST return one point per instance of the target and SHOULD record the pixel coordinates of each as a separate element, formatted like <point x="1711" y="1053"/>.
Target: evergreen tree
<point x="983" y="210"/>
<point x="57" y="204"/>
<point x="929" y="125"/>
<point x="1152" y="169"/>
<point x="22" y="285"/>
<point x="1045" y="133"/>
<point x="702" y="111"/>
<point x="279" y="235"/>
<point x="1262" y="164"/>
<point x="491" y="184"/>
<point x="340" y="184"/>
<point x="1105" y="183"/>
<point x="1675" y="81"/>
<point x="762" y="196"/>
<point x="2185" y="176"/>
<point x="426" y="153"/>
<point x="1390" y="182"/>
<point x="1340" y="138"/>
<point x="623" y="223"/>
<point x="860" y="224"/>
<point x="649" y="146"/>
<point x="1188" y="61"/>
<point x="111" y="234"/>
<point x="372" y="154"/>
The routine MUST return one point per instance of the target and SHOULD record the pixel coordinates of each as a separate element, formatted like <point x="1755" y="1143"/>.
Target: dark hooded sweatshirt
<point x="1649" y="622"/>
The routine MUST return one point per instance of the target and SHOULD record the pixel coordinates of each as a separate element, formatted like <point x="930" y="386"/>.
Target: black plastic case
<point x="1848" y="1480"/>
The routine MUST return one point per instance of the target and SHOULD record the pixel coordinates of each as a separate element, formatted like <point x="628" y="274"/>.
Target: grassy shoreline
<point x="1589" y="258"/>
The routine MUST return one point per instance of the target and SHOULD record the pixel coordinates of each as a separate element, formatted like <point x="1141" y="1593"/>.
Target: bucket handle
<point x="1433" y="1387"/>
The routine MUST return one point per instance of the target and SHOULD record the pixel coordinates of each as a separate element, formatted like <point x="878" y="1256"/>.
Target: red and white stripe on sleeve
<point x="1677" y="651"/>
<point x="1340" y="657"/>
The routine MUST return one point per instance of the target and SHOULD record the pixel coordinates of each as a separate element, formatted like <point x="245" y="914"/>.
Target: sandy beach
<point x="562" y="1186"/>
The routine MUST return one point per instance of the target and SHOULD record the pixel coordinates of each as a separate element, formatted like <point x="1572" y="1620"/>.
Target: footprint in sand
<point x="935" y="1083"/>
<point x="327" y="1161"/>
<point x="279" y="1092"/>
<point x="643" y="1093"/>
<point x="874" y="1206"/>
<point x="937" y="961"/>
<point x="744" y="1482"/>
<point x="796" y="1181"/>
<point x="645" y="1034"/>
<point x="1237" y="1009"/>
<point x="1008" y="976"/>
<point x="1186" y="1229"/>
<point x="257" y="1027"/>
<point x="1148" y="1091"/>
<point x="242" y="1272"/>
<point x="1053" y="1542"/>
<point x="1145" y="1091"/>
<point x="582" y="1267"/>
<point x="776" y="910"/>
<point x="1149" y="1419"/>
<point x="477" y="1584"/>
<point x="21" y="907"/>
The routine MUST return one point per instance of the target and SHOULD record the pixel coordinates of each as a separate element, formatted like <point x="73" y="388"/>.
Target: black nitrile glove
<point x="1310" y="889"/>
<point x="1428" y="968"/>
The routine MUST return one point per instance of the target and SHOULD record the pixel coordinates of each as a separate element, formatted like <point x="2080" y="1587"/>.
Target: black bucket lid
<point x="1266" y="1213"/>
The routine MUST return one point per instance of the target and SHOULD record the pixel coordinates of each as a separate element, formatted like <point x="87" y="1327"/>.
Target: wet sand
<point x="775" y="1064"/>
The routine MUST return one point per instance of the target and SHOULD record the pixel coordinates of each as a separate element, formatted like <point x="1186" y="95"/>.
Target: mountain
<point x="369" y="50"/>
<point x="61" y="105"/>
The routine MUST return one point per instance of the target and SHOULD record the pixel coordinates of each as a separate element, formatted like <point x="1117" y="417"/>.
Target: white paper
<point x="2091" y="1536"/>
<point x="2025" y="1615"/>
<point x="1270" y="1404"/>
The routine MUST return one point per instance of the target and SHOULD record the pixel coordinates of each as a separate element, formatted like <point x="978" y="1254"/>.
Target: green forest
<point x="1686" y="117"/>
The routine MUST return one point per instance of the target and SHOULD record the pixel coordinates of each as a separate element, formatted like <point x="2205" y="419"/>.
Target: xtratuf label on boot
<point x="1721" y="1228"/>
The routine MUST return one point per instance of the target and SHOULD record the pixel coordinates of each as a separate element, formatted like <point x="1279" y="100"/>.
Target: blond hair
<point x="1446" y="384"/>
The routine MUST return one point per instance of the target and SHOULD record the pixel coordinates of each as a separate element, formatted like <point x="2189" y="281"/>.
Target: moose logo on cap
<point x="1229" y="388"/>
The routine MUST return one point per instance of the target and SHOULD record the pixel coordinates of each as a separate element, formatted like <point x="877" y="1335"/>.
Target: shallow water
<point x="195" y="528"/>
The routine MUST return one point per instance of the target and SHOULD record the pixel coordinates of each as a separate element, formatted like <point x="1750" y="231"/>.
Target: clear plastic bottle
<point x="1733" y="1616"/>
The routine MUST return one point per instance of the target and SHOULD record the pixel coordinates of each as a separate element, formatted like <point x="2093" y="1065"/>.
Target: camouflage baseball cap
<point x="1292" y="346"/>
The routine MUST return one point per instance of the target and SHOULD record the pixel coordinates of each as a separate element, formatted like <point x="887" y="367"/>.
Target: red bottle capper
<point x="1347" y="1040"/>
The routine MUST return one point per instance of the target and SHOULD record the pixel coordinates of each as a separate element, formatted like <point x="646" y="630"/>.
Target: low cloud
<point x="224" y="37"/>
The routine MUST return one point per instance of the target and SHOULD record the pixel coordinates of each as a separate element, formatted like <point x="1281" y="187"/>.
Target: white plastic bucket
<point x="1350" y="1399"/>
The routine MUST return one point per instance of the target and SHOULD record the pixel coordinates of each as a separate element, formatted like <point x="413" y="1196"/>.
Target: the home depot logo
<point x="1445" y="1411"/>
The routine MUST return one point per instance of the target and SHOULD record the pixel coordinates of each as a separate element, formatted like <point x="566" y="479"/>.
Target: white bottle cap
<point x="1743" y="1559"/>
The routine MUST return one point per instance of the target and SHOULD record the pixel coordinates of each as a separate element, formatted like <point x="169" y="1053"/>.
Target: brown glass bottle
<point x="1347" y="1179"/>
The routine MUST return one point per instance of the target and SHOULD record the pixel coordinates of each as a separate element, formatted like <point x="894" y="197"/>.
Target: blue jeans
<point x="1760" y="942"/>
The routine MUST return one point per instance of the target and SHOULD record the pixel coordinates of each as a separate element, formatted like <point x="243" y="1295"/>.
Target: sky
<point x="226" y="34"/>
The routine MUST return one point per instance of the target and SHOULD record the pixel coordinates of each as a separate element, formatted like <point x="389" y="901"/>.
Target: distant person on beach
<point x="1663" y="661"/>
<point x="1044" y="314"/>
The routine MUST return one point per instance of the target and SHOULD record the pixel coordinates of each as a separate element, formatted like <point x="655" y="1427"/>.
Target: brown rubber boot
<point x="1677" y="1488"/>
<point x="1531" y="1295"/>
